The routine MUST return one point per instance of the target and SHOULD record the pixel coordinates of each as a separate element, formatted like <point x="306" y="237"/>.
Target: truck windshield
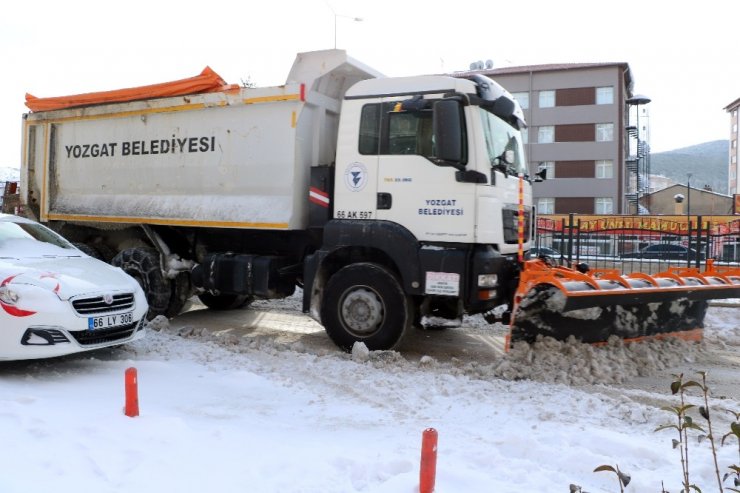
<point x="504" y="144"/>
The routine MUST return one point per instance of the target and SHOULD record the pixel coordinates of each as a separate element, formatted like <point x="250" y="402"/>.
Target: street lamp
<point x="688" y="199"/>
<point x="355" y="19"/>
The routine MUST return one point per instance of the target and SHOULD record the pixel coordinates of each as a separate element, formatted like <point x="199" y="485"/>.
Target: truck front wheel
<point x="366" y="303"/>
<point x="143" y="265"/>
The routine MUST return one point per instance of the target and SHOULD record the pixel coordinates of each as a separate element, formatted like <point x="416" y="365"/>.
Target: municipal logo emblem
<point x="355" y="177"/>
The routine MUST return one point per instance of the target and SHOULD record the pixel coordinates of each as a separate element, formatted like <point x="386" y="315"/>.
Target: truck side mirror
<point x="447" y="125"/>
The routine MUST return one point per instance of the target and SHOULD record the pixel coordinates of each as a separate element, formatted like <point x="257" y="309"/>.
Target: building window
<point x="522" y="98"/>
<point x="604" y="132"/>
<point x="604" y="168"/>
<point x="549" y="166"/>
<point x="525" y="136"/>
<point x="546" y="134"/>
<point x="734" y="144"/>
<point x="545" y="206"/>
<point x="603" y="205"/>
<point x="547" y="99"/>
<point x="605" y="95"/>
<point x="734" y="128"/>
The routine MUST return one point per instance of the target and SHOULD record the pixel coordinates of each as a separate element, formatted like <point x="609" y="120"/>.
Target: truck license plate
<point x="108" y="321"/>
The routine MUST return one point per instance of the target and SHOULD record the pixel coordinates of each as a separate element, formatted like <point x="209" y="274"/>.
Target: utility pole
<point x="688" y="199"/>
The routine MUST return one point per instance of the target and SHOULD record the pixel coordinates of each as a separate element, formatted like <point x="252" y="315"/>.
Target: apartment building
<point x="733" y="183"/>
<point x="580" y="132"/>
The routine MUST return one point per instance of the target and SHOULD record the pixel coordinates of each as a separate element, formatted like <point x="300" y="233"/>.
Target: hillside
<point x="706" y="162"/>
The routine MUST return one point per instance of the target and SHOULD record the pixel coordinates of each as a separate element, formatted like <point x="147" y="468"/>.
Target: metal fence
<point x="641" y="243"/>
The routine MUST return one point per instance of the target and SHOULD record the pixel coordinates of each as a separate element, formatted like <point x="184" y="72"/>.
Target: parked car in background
<point x="665" y="251"/>
<point x="544" y="251"/>
<point x="56" y="300"/>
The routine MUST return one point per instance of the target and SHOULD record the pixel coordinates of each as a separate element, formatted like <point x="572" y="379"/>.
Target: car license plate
<point x="108" y="321"/>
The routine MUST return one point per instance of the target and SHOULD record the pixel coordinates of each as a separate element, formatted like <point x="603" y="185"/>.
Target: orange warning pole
<point x="428" y="469"/>
<point x="520" y="220"/>
<point x="132" y="393"/>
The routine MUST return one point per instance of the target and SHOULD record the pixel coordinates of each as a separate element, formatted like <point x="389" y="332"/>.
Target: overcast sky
<point x="683" y="54"/>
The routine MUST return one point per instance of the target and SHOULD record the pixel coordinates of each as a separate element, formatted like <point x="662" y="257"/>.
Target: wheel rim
<point x="362" y="311"/>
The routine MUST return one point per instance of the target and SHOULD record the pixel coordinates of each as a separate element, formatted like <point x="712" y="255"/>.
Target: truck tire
<point x="181" y="292"/>
<point x="143" y="265"/>
<point x="224" y="301"/>
<point x="365" y="303"/>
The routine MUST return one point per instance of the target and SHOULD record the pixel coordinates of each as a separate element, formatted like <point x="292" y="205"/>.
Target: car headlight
<point x="487" y="280"/>
<point x="8" y="296"/>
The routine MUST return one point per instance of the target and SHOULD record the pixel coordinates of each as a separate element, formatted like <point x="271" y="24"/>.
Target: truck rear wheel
<point x="143" y="265"/>
<point x="224" y="301"/>
<point x="366" y="303"/>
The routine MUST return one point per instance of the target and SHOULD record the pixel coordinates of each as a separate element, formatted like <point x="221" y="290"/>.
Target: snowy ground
<point x="228" y="414"/>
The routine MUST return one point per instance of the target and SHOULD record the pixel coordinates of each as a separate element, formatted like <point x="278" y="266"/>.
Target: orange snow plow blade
<point x="561" y="302"/>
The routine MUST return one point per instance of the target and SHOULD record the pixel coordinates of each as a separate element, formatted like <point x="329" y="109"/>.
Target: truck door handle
<point x="385" y="200"/>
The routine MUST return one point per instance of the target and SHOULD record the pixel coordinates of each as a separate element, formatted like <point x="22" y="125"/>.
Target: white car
<point x="56" y="300"/>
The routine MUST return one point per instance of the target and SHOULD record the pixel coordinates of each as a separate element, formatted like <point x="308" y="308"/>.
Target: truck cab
<point x="449" y="188"/>
<point x="427" y="188"/>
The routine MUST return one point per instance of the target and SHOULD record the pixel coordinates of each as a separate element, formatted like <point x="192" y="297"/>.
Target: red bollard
<point x="132" y="393"/>
<point x="428" y="471"/>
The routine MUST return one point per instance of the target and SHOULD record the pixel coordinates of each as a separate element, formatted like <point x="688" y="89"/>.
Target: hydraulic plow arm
<point x="561" y="302"/>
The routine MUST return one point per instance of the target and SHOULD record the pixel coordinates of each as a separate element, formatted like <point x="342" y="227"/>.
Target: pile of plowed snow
<point x="547" y="360"/>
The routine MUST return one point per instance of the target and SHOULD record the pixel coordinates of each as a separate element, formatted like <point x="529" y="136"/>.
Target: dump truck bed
<point x="238" y="158"/>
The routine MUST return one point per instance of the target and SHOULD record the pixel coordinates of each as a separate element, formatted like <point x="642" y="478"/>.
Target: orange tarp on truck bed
<point x="207" y="81"/>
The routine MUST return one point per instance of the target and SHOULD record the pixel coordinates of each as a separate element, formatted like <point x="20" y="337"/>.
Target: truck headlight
<point x="487" y="280"/>
<point x="8" y="296"/>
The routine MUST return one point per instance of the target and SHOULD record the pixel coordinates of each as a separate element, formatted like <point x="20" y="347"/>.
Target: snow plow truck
<point x="392" y="202"/>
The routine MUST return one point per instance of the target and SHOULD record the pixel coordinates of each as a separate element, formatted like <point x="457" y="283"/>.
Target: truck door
<point x="412" y="190"/>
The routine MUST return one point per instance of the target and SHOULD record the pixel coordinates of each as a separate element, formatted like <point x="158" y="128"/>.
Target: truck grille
<point x="103" y="336"/>
<point x="96" y="304"/>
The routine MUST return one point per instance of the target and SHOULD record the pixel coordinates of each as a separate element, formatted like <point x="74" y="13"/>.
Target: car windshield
<point x="25" y="240"/>
<point x="504" y="144"/>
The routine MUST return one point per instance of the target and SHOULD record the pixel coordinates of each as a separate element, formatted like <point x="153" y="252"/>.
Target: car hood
<point x="66" y="276"/>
